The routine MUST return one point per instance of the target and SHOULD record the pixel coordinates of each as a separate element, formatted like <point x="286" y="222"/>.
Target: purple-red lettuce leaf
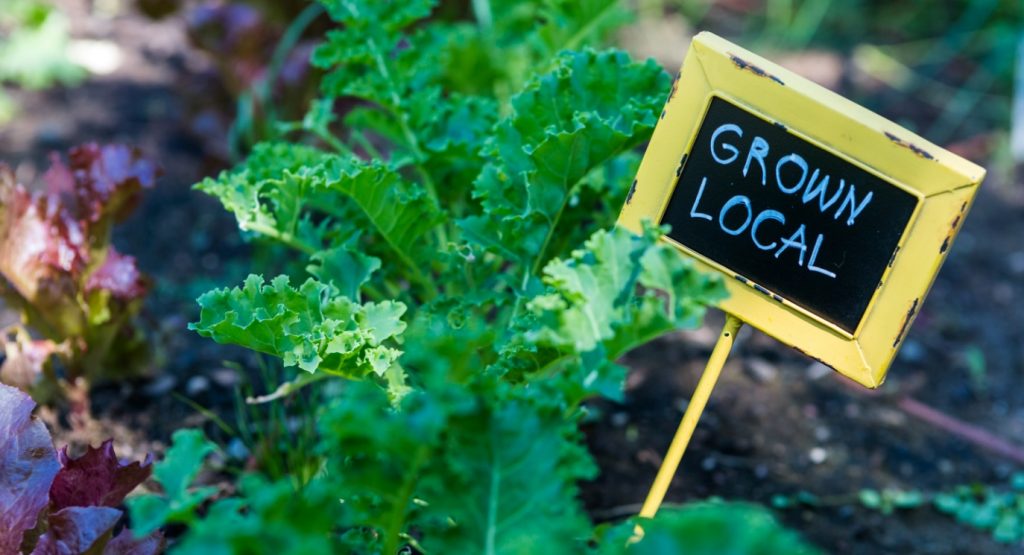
<point x="89" y="530"/>
<point x="119" y="276"/>
<point x="28" y="464"/>
<point x="77" y="530"/>
<point x="51" y="504"/>
<point x="126" y="544"/>
<point x="97" y="478"/>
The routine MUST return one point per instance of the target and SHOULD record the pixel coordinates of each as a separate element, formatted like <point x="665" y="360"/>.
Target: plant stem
<point x="364" y="142"/>
<point x="282" y="236"/>
<point x="393" y="535"/>
<point x="484" y="16"/>
<point x="586" y="30"/>
<point x="396" y="111"/>
<point x="288" y="41"/>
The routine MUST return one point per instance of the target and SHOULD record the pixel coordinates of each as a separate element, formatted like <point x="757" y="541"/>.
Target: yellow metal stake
<point x="690" y="417"/>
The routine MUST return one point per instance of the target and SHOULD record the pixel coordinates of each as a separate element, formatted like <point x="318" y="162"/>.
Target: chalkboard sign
<point x="827" y="222"/>
<point x="787" y="215"/>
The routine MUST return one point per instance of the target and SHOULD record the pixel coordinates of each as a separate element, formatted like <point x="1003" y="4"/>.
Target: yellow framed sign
<point x="828" y="221"/>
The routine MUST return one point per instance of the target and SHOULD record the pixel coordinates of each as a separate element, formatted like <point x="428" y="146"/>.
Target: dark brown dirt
<point x="772" y="409"/>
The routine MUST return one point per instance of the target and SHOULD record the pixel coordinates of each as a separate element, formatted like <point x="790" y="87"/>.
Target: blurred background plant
<point x="76" y="294"/>
<point x="946" y="75"/>
<point x="997" y="510"/>
<point x="34" y="50"/>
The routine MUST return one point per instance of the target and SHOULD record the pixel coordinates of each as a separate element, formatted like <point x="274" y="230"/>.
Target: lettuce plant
<point x="51" y="503"/>
<point x="77" y="294"/>
<point x="453" y="255"/>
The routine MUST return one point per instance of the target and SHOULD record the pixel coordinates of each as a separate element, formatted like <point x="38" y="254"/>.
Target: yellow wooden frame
<point x="944" y="183"/>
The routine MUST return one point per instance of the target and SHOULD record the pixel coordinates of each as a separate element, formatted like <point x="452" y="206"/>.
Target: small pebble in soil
<point x="1002" y="292"/>
<point x="906" y="470"/>
<point x="160" y="386"/>
<point x="817" y="455"/>
<point x="632" y="434"/>
<point x="912" y="351"/>
<point x="197" y="385"/>
<point x="817" y="371"/>
<point x="946" y="467"/>
<point x="1003" y="471"/>
<point x="760" y="370"/>
<point x="619" y="419"/>
<point x="1016" y="262"/>
<point x="681" y="404"/>
<point x="709" y="464"/>
<point x="237" y="450"/>
<point x="760" y="472"/>
<point x="225" y="377"/>
<point x="821" y="433"/>
<point x="649" y="457"/>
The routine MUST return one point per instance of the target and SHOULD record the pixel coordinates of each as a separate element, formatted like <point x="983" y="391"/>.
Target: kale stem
<point x="393" y="535"/>
<point x="367" y="145"/>
<point x="484" y="15"/>
<point x="282" y="236"/>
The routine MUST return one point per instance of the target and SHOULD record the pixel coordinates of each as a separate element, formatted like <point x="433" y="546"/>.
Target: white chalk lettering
<point x="791" y="159"/>
<point x="761" y="218"/>
<point x="727" y="147"/>
<point x="818" y="189"/>
<point x="758" y="151"/>
<point x="814" y="258"/>
<point x="851" y="201"/>
<point x="696" y="201"/>
<point x="738" y="200"/>
<point x="797" y="240"/>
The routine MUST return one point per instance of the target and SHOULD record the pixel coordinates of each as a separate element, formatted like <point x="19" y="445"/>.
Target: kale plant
<point x="454" y="257"/>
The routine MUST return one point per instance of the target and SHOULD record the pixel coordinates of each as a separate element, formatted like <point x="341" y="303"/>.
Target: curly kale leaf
<point x="306" y="327"/>
<point x="317" y="202"/>
<point x="397" y="212"/>
<point x="616" y="293"/>
<point x="567" y="123"/>
<point x="268" y="194"/>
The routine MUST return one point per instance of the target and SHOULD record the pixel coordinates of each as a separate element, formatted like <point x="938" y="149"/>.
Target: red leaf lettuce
<point x="52" y="504"/>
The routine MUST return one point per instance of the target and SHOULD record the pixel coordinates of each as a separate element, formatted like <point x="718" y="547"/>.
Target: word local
<point x="813" y="184"/>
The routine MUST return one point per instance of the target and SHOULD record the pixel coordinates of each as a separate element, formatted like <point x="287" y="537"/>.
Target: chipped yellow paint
<point x="944" y="183"/>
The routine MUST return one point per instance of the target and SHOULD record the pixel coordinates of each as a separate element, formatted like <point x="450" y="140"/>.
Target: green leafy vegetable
<point x="307" y="327"/>
<point x="459" y="243"/>
<point x="175" y="473"/>
<point x="707" y="529"/>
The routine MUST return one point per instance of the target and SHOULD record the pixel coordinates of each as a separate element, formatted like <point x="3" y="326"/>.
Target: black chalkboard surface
<point x="796" y="220"/>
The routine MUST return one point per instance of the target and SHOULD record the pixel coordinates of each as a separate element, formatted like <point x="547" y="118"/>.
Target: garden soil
<point x="778" y="424"/>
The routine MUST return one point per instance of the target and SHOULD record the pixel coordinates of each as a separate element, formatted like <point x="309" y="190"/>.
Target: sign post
<point x="828" y="222"/>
